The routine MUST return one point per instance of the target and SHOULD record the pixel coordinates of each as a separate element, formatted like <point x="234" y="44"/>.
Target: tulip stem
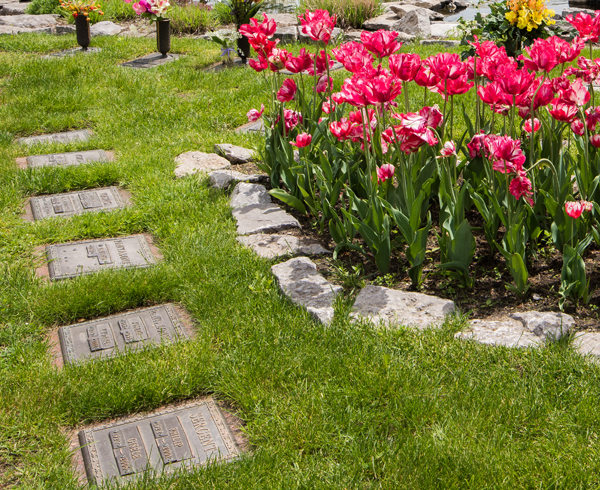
<point x="406" y="100"/>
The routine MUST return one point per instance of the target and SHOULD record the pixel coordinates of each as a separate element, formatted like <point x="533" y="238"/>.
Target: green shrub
<point x="351" y="13"/>
<point x="115" y="10"/>
<point x="193" y="18"/>
<point x="37" y="7"/>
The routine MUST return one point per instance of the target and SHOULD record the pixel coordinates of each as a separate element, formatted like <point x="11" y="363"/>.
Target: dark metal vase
<point x="243" y="48"/>
<point x="82" y="29"/>
<point x="163" y="36"/>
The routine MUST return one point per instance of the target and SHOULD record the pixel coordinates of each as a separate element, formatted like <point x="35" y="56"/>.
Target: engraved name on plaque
<point x="106" y="337"/>
<point x="67" y="159"/>
<point x="183" y="436"/>
<point x="77" y="258"/>
<point x="72" y="203"/>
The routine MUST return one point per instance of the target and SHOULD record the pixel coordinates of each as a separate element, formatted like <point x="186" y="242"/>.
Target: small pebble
<point x="536" y="297"/>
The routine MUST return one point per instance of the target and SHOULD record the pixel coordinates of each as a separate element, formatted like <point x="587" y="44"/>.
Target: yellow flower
<point x="511" y="17"/>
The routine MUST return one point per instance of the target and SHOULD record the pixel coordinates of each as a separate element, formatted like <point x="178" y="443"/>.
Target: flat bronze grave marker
<point x="106" y="337"/>
<point x="74" y="259"/>
<point x="72" y="203"/>
<point x="65" y="159"/>
<point x="72" y="52"/>
<point x="66" y="137"/>
<point x="184" y="436"/>
<point x="150" y="60"/>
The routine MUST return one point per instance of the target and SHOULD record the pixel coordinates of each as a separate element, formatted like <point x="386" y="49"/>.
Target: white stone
<point x="393" y="307"/>
<point x="222" y="179"/>
<point x="263" y="218"/>
<point x="105" y="28"/>
<point x="282" y="20"/>
<point x="444" y="29"/>
<point x="587" y="343"/>
<point x="13" y="8"/>
<point x="66" y="137"/>
<point x="193" y="162"/>
<point x="271" y="246"/>
<point x="401" y="9"/>
<point x="415" y="24"/>
<point x="386" y="22"/>
<point x="29" y="21"/>
<point x="299" y="280"/>
<point x="286" y="34"/>
<point x="545" y="325"/>
<point x="246" y="194"/>
<point x="235" y="154"/>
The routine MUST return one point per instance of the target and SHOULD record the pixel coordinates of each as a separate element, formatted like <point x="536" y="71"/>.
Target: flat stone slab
<point x="299" y="280"/>
<point x="66" y="137"/>
<point x="150" y="60"/>
<point x="263" y="218"/>
<point x="253" y="127"/>
<point x="528" y="329"/>
<point x="193" y="162"/>
<point x="246" y="194"/>
<point x="223" y="179"/>
<point x="65" y="159"/>
<point x="180" y="437"/>
<point x="105" y="28"/>
<point x="72" y="52"/>
<point x="235" y="154"/>
<point x="441" y="42"/>
<point x="271" y="246"/>
<point x="80" y="202"/>
<point x="16" y="8"/>
<point x="107" y="337"/>
<point x="443" y="29"/>
<point x="74" y="259"/>
<point x="392" y="307"/>
<point x="587" y="343"/>
<point x="29" y="21"/>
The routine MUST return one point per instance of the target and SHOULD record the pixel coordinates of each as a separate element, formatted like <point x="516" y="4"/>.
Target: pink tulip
<point x="527" y="125"/>
<point x="322" y="61"/>
<point x="477" y="145"/>
<point x="448" y="150"/>
<point x="318" y="25"/>
<point x="381" y="43"/>
<point x="260" y="64"/>
<point x="300" y="63"/>
<point x="322" y="85"/>
<point x="573" y="209"/>
<point x="595" y="140"/>
<point x="520" y="186"/>
<point x="277" y="59"/>
<point x="446" y="66"/>
<point x="542" y="54"/>
<point x="381" y="89"/>
<point x="267" y="27"/>
<point x="405" y="66"/>
<point x="592" y="116"/>
<point x="254" y="115"/>
<point x="585" y="25"/>
<point x="302" y="140"/>
<point x="565" y="52"/>
<point x="454" y="87"/>
<point x="577" y="127"/>
<point x="425" y="77"/>
<point x="287" y="91"/>
<point x="562" y="111"/>
<point x="138" y="8"/>
<point x="385" y="172"/>
<point x="354" y="56"/>
<point x="506" y="154"/>
<point x="327" y="108"/>
<point x="345" y="129"/>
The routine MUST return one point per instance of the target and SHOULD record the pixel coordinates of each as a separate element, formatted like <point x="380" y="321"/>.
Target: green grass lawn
<point x="340" y="407"/>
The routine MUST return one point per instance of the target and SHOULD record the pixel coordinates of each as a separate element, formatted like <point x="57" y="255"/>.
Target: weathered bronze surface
<point x="163" y="441"/>
<point x="71" y="203"/>
<point x="66" y="159"/>
<point x="78" y="258"/>
<point x="108" y="336"/>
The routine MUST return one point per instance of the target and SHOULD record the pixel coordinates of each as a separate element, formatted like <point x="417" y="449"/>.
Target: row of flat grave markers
<point x="176" y="437"/>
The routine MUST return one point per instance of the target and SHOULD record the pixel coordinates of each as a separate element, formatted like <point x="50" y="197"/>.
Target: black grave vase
<point x="163" y="36"/>
<point x="82" y="29"/>
<point x="243" y="49"/>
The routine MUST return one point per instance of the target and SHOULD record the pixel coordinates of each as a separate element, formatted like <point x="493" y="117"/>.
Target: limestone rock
<point x="68" y="29"/>
<point x="193" y="162"/>
<point x="222" y="179"/>
<point x="235" y="154"/>
<point x="299" y="280"/>
<point x="528" y="329"/>
<point x="389" y="306"/>
<point x="441" y="42"/>
<point x="385" y="22"/>
<point x="286" y="34"/>
<point x="443" y="29"/>
<point x="13" y="8"/>
<point x="271" y="246"/>
<point x="219" y="33"/>
<point x="246" y="194"/>
<point x="283" y="20"/>
<point x="66" y="137"/>
<point x="401" y="9"/>
<point x="263" y="218"/>
<point x="415" y="23"/>
<point x="440" y="5"/>
<point x="587" y="343"/>
<point x="29" y="21"/>
<point x="105" y="28"/>
<point x="252" y="127"/>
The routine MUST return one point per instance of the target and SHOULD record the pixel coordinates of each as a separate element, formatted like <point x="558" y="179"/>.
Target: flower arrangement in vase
<point x="80" y="10"/>
<point x="157" y="11"/>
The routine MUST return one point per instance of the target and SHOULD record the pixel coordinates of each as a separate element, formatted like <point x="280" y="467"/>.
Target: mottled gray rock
<point x="415" y="24"/>
<point x="11" y="30"/>
<point x="386" y="22"/>
<point x="528" y="329"/>
<point x="440" y="5"/>
<point x="389" y="306"/>
<point x="193" y="162"/>
<point x="66" y="137"/>
<point x="441" y="42"/>
<point x="13" y="8"/>
<point x="283" y="20"/>
<point x="587" y="343"/>
<point x="246" y="194"/>
<point x="222" y="179"/>
<point x="219" y="33"/>
<point x="68" y="29"/>
<point x="443" y="29"/>
<point x="140" y="31"/>
<point x="286" y="34"/>
<point x="299" y="280"/>
<point x="29" y="21"/>
<point x="252" y="127"/>
<point x="305" y="38"/>
<point x="263" y="218"/>
<point x="235" y="154"/>
<point x="105" y="28"/>
<point x="401" y="9"/>
<point x="271" y="246"/>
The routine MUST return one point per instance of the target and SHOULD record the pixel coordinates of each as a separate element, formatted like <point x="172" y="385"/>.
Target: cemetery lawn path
<point x="340" y="407"/>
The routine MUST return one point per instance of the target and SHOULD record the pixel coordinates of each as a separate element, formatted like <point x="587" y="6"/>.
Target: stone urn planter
<point x="82" y="29"/>
<point x="163" y="36"/>
<point x="243" y="48"/>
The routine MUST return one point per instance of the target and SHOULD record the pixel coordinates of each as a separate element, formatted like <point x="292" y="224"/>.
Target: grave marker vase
<point x="82" y="29"/>
<point x="163" y="36"/>
<point x="243" y="48"/>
